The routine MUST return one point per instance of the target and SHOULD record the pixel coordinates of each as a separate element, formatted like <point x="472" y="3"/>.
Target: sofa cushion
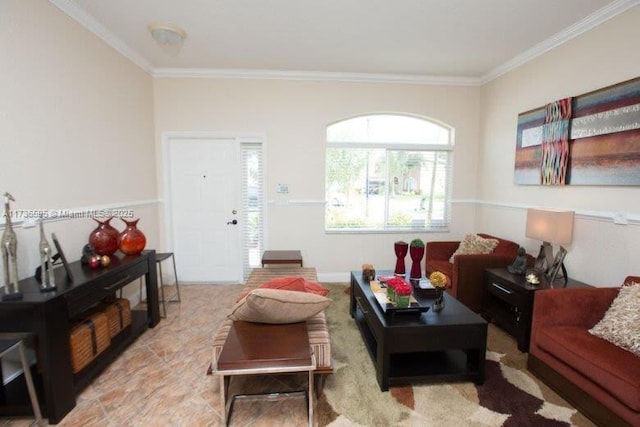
<point x="474" y="244"/>
<point x="621" y="323"/>
<point x="612" y="368"/>
<point x="504" y="247"/>
<point x="278" y="306"/>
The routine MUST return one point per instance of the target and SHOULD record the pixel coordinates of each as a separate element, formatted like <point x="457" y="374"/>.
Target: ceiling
<point x="455" y="40"/>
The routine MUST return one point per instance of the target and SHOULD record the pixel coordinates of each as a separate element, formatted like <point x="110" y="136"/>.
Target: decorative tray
<point x="389" y="308"/>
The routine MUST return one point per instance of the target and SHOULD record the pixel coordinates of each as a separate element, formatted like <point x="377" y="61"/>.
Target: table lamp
<point x="552" y="227"/>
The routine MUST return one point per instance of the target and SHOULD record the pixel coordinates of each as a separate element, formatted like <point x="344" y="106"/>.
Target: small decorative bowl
<point x="533" y="279"/>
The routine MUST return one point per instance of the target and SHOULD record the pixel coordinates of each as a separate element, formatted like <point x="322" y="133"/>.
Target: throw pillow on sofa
<point x="621" y="323"/>
<point x="474" y="244"/>
<point x="277" y="306"/>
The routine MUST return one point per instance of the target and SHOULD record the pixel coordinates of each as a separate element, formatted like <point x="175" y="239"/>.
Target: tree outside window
<point x="388" y="172"/>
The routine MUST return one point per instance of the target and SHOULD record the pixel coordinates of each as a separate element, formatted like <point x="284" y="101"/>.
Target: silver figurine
<point x="9" y="250"/>
<point x="47" y="281"/>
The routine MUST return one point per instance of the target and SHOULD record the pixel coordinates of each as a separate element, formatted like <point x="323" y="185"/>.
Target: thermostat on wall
<point x="282" y="188"/>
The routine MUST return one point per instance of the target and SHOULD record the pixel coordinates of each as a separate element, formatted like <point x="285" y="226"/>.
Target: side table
<point x="281" y="257"/>
<point x="508" y="302"/>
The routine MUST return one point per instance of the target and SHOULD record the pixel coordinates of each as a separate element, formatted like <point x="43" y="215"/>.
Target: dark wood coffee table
<point x="425" y="347"/>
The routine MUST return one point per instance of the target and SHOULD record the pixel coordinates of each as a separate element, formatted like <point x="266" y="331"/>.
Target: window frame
<point x="388" y="146"/>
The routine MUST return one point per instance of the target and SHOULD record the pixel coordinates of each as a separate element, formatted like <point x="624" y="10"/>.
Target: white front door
<point x="204" y="180"/>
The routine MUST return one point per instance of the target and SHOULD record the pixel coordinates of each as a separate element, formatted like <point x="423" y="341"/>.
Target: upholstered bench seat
<point x="318" y="340"/>
<point x="317" y="330"/>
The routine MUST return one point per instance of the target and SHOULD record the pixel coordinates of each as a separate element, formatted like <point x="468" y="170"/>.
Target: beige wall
<point x="292" y="116"/>
<point x="602" y="252"/>
<point x="76" y="122"/>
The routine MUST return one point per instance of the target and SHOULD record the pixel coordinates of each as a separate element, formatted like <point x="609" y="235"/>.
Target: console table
<point x="48" y="316"/>
<point x="508" y="301"/>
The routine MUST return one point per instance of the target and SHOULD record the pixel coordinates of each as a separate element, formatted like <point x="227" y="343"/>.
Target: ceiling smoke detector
<point x="167" y="35"/>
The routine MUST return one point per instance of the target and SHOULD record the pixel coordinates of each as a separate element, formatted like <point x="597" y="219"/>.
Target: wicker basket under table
<point x="88" y="338"/>
<point x="118" y="314"/>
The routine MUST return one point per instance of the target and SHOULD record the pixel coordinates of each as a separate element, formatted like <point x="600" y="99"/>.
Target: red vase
<point x="401" y="249"/>
<point x="104" y="238"/>
<point x="416" y="253"/>
<point x="131" y="241"/>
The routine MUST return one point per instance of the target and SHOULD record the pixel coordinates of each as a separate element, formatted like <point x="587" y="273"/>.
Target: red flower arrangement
<point x="403" y="289"/>
<point x="395" y="282"/>
<point x="398" y="291"/>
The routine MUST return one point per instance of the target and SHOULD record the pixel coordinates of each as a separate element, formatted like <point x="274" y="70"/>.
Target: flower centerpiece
<point x="403" y="295"/>
<point x="391" y="289"/>
<point x="439" y="281"/>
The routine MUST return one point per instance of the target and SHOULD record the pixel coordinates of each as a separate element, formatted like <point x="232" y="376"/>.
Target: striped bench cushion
<point x="316" y="325"/>
<point x="318" y="340"/>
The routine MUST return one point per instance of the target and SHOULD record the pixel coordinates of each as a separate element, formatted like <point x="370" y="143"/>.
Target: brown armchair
<point x="466" y="273"/>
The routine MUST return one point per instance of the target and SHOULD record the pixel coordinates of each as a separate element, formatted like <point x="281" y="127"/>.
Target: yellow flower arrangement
<point x="438" y="279"/>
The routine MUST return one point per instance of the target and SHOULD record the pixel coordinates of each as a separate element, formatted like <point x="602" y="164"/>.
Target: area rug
<point x="510" y="396"/>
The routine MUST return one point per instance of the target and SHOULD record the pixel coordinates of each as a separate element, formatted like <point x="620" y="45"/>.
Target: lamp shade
<point x="550" y="226"/>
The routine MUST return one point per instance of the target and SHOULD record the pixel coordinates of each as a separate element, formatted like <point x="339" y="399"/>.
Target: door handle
<point x="234" y="222"/>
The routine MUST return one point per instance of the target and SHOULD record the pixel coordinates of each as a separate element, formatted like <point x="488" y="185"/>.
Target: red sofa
<point x="466" y="273"/>
<point x="599" y="378"/>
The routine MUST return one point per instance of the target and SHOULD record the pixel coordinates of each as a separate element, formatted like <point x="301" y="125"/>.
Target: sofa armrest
<point x="581" y="307"/>
<point x="468" y="276"/>
<point x="441" y="251"/>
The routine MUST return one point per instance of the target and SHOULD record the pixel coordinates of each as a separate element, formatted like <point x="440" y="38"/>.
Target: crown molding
<point x="598" y="17"/>
<point x="315" y="76"/>
<point x="87" y="21"/>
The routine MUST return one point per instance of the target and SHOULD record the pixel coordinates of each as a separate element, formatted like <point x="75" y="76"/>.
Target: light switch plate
<point x="282" y="188"/>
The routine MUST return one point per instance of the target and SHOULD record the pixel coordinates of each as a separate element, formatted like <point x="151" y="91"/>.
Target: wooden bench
<point x="315" y="336"/>
<point x="260" y="349"/>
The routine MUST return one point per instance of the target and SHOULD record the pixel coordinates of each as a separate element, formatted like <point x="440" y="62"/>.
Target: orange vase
<point x="131" y="240"/>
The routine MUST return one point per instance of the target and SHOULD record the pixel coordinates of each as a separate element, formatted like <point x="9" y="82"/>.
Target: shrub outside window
<point x="388" y="172"/>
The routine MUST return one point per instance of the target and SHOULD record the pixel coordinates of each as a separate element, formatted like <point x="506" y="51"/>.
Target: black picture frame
<point x="65" y="264"/>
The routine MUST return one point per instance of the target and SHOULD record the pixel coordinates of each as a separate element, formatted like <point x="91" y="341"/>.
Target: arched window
<point x="388" y="172"/>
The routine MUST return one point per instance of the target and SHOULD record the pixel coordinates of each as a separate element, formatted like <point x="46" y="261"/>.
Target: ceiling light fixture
<point x="167" y="35"/>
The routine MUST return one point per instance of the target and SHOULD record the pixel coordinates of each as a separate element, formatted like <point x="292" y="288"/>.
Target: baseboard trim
<point x="334" y="277"/>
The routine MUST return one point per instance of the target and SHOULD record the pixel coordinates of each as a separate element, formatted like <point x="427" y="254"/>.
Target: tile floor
<point x="160" y="380"/>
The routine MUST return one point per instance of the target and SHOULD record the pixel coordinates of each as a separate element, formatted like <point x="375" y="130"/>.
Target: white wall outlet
<point x="620" y="218"/>
<point x="282" y="189"/>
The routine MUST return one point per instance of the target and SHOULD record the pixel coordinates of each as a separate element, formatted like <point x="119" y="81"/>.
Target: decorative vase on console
<point x="104" y="238"/>
<point x="401" y="249"/>
<point x="438" y="304"/>
<point x="131" y="241"/>
<point x="416" y="251"/>
<point x="439" y="281"/>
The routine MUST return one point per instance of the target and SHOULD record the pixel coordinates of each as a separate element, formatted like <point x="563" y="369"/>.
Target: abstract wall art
<point x="590" y="139"/>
